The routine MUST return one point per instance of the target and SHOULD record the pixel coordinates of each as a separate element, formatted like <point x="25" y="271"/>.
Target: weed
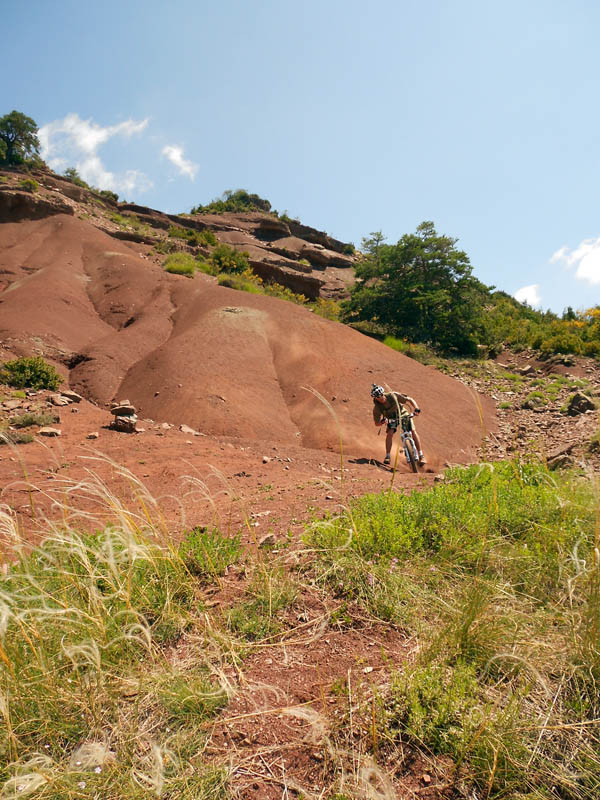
<point x="29" y="185"/>
<point x="29" y="419"/>
<point x="270" y="592"/>
<point x="181" y="264"/>
<point x="15" y="437"/>
<point x="208" y="553"/>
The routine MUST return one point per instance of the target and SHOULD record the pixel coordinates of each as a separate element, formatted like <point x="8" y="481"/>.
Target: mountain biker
<point x="389" y="407"/>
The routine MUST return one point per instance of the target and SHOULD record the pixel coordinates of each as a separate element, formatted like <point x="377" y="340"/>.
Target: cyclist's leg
<point x="389" y="435"/>
<point x="417" y="440"/>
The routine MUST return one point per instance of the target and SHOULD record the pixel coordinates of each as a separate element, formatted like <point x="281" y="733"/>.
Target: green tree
<point x="371" y="244"/>
<point x="421" y="288"/>
<point x="18" y="134"/>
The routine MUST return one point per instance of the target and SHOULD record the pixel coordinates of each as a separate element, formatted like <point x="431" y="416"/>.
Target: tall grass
<point x="496" y="571"/>
<point x="91" y="703"/>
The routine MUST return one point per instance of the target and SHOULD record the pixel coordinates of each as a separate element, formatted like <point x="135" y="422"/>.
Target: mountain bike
<point x="408" y="443"/>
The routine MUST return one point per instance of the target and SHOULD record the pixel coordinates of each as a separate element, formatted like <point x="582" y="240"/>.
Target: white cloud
<point x="175" y="156"/>
<point x="75" y="141"/>
<point x="529" y="294"/>
<point x="585" y="259"/>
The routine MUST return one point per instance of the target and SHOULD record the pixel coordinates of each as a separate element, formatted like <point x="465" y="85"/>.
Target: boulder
<point x="122" y="410"/>
<point x="579" y="404"/>
<point x="124" y="424"/>
<point x="59" y="400"/>
<point x="72" y="396"/>
<point x="49" y="432"/>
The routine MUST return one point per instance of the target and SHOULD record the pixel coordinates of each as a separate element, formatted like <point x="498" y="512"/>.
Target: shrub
<point x="181" y="264"/>
<point x="226" y="259"/>
<point x="31" y="373"/>
<point x="29" y="185"/>
<point x="27" y="420"/>
<point x="238" y="201"/>
<point x="15" y="437"/>
<point x="192" y="237"/>
<point x="242" y="283"/>
<point x="349" y="249"/>
<point x="107" y="194"/>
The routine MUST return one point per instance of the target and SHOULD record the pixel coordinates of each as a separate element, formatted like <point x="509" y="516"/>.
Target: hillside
<point x="245" y="619"/>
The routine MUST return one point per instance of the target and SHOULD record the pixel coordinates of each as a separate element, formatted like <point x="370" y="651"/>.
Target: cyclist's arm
<point x="377" y="415"/>
<point x="412" y="402"/>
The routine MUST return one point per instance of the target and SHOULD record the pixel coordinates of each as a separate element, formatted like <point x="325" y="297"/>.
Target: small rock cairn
<point x="124" y="417"/>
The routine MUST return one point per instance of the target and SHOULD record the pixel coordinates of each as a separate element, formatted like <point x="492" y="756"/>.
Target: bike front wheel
<point x="411" y="455"/>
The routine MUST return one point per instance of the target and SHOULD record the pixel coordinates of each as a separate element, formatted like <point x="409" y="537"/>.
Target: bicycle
<point x="408" y="443"/>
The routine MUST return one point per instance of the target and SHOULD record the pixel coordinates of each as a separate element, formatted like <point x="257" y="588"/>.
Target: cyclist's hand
<point x="417" y="411"/>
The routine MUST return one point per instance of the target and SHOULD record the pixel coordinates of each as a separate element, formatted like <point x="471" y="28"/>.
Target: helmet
<point x="377" y="391"/>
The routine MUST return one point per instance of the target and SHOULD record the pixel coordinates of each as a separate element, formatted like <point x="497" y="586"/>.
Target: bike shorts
<point x="393" y="424"/>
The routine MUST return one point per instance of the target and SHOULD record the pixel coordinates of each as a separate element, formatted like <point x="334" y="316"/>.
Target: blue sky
<point x="353" y="116"/>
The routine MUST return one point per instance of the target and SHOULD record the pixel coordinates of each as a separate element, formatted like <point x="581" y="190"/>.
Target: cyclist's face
<point x="380" y="398"/>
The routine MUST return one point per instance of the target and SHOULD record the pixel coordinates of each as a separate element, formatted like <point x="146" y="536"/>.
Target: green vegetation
<point x="91" y="699"/>
<point x="495" y="573"/>
<point x="19" y="143"/>
<point x="29" y="185"/>
<point x="270" y="593"/>
<point x="207" y="553"/>
<point x="237" y="202"/>
<point x="248" y="281"/>
<point x="31" y="418"/>
<point x="181" y="264"/>
<point x="226" y="259"/>
<point x="74" y="176"/>
<point x="14" y="437"/>
<point x="31" y="373"/>
<point x="203" y="238"/>
<point x="128" y="221"/>
<point x="422" y="290"/>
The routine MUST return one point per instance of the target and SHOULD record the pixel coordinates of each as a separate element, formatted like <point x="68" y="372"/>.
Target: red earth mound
<point x="189" y="351"/>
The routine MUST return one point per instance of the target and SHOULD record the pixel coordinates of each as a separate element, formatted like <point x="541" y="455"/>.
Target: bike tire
<point x="412" y="456"/>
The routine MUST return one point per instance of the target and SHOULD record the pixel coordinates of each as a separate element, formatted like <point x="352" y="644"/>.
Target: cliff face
<point x="305" y="260"/>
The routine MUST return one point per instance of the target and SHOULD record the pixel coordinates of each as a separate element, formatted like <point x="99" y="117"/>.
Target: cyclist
<point x="389" y="407"/>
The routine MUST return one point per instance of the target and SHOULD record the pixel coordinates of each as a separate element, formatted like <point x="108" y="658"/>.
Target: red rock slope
<point x="189" y="351"/>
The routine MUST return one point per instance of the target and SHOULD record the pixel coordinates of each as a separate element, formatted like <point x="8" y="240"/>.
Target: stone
<point x="268" y="540"/>
<point x="188" y="430"/>
<point x="123" y="410"/>
<point x="59" y="400"/>
<point x="49" y="432"/>
<point x="579" y="404"/>
<point x="266" y="459"/>
<point x="72" y="396"/>
<point x="11" y="405"/>
<point x="93" y="435"/>
<point x="125" y="424"/>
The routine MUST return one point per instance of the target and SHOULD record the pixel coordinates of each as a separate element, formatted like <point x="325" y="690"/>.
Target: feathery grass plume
<point x="84" y="620"/>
